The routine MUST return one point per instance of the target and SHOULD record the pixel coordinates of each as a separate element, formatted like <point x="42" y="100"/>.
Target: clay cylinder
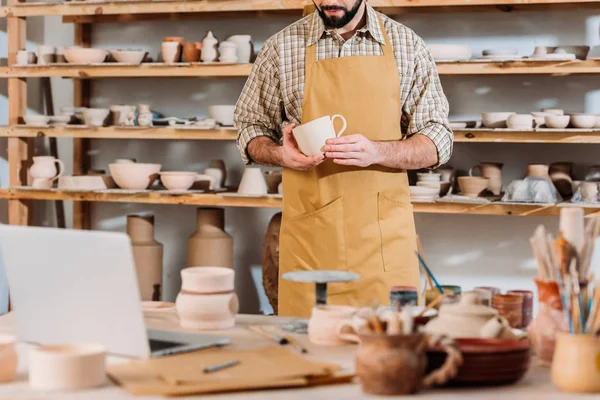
<point x="210" y="245"/>
<point x="147" y="254"/>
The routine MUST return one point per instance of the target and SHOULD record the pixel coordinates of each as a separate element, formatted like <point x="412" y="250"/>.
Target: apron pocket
<point x="316" y="241"/>
<point x="398" y="238"/>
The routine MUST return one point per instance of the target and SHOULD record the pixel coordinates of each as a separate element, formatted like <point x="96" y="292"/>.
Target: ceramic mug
<point x="589" y="191"/>
<point x="311" y="137"/>
<point x="324" y="322"/>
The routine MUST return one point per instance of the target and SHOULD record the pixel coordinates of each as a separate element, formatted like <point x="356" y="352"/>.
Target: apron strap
<point x="311" y="51"/>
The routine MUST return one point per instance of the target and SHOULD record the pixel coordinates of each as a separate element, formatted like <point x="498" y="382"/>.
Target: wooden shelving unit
<point x="183" y="70"/>
<point x="590" y="136"/>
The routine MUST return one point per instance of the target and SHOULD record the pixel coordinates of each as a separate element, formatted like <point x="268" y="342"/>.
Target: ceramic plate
<point x="499" y="58"/>
<point x="552" y="57"/>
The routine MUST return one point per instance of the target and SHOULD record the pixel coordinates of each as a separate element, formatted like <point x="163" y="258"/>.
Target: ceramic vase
<point x="8" y="360"/>
<point x="323" y="324"/>
<point x="207" y="299"/>
<point x="538" y="170"/>
<point x="170" y="52"/>
<point x="270" y="261"/>
<point x="147" y="254"/>
<point x="210" y="52"/>
<point x="527" y="310"/>
<point x="561" y="174"/>
<point x="245" y="49"/>
<point x="220" y="164"/>
<point x="210" y="245"/>
<point x="548" y="321"/>
<point x="43" y="172"/>
<point x="492" y="171"/>
<point x="576" y="364"/>
<point x="191" y="51"/>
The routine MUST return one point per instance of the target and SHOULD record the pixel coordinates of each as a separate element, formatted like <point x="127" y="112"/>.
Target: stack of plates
<point x="424" y="193"/>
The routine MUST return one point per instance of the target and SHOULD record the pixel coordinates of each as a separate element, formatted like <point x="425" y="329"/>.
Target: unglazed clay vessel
<point x="175" y="39"/>
<point x="46" y="54"/>
<point x="583" y="121"/>
<point x="557" y="121"/>
<point x="178" y="180"/>
<point x="472" y="186"/>
<point x="129" y="56"/>
<point x="576" y="363"/>
<point x="217" y="175"/>
<point x="67" y="367"/>
<point x="549" y="320"/>
<point x="245" y="49"/>
<point x="253" y="182"/>
<point x="95" y="116"/>
<point x="538" y="170"/>
<point x="134" y="176"/>
<point x="207" y="298"/>
<point x="170" y="51"/>
<point x="561" y="174"/>
<point x="144" y="117"/>
<point x="312" y="136"/>
<point x="495" y="119"/>
<point x="8" y="359"/>
<point x="210" y="46"/>
<point x="220" y="164"/>
<point x="210" y="245"/>
<point x="520" y="121"/>
<point x="493" y="172"/>
<point x="192" y="51"/>
<point x="222" y="113"/>
<point x="147" y="255"/>
<point x="469" y="319"/>
<point x="82" y="55"/>
<point x="43" y="172"/>
<point x="323" y="324"/>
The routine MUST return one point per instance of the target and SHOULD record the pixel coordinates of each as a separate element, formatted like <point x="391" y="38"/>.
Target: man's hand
<point x="354" y="150"/>
<point x="291" y="157"/>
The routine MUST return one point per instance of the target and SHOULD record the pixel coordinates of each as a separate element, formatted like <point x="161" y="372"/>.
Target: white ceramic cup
<point x="46" y="54"/>
<point x="311" y="137"/>
<point x="217" y="176"/>
<point x="169" y="52"/>
<point x="22" y="57"/>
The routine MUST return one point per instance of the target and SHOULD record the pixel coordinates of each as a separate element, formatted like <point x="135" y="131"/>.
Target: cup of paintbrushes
<point x="576" y="363"/>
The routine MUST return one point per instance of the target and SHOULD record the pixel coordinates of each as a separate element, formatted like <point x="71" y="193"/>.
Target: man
<point x="348" y="209"/>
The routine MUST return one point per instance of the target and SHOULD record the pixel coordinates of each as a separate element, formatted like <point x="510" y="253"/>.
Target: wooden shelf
<point x="271" y="202"/>
<point x="130" y="10"/>
<point x="113" y="70"/>
<point x="120" y="133"/>
<point x="590" y="136"/>
<point x="158" y="70"/>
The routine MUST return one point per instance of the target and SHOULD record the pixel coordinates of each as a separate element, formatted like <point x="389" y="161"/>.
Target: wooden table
<point x="536" y="385"/>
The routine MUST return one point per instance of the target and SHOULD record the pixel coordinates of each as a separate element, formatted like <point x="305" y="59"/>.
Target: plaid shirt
<point x="274" y="91"/>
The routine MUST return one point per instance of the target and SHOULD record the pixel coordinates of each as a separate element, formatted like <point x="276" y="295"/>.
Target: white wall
<point x="465" y="250"/>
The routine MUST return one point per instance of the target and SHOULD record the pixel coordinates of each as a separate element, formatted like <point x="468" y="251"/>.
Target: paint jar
<point x="401" y="296"/>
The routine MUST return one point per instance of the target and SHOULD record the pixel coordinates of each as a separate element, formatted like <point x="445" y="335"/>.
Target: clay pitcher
<point x="396" y="364"/>
<point x="43" y="172"/>
<point x="210" y="245"/>
<point x="561" y="174"/>
<point x="147" y="255"/>
<point x="538" y="170"/>
<point x="492" y="171"/>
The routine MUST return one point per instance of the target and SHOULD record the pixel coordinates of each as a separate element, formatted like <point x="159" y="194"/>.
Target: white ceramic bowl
<point x="495" y="119"/>
<point x="223" y="114"/>
<point x="134" y="176"/>
<point x="67" y="367"/>
<point x="539" y="117"/>
<point x="445" y="52"/>
<point x="60" y="119"/>
<point x="36" y="120"/>
<point x="583" y="121"/>
<point x="95" y="116"/>
<point x="178" y="180"/>
<point x="424" y="192"/>
<point x="128" y="56"/>
<point x="520" y="121"/>
<point x="557" y="121"/>
<point x="81" y="55"/>
<point x="500" y="52"/>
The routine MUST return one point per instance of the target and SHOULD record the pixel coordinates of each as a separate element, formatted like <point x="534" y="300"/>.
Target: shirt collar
<point x="372" y="26"/>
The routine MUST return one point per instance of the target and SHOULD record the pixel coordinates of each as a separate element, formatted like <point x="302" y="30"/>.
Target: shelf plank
<point x="100" y="8"/>
<point x="120" y="133"/>
<point x="271" y="202"/>
<point x="589" y="136"/>
<point x="158" y="70"/>
<point x="109" y="70"/>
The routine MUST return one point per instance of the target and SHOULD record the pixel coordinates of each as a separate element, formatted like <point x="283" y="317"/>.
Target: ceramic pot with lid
<point x="469" y="319"/>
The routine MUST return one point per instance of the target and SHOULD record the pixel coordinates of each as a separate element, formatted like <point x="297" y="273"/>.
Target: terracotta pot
<point x="548" y="321"/>
<point x="510" y="306"/>
<point x="8" y="360"/>
<point x="207" y="299"/>
<point x="220" y="164"/>
<point x="527" y="310"/>
<point x="576" y="364"/>
<point x="147" y="254"/>
<point x="561" y="174"/>
<point x="492" y="171"/>
<point x="396" y="364"/>
<point x="273" y="179"/>
<point x="538" y="170"/>
<point x="472" y="186"/>
<point x="210" y="245"/>
<point x="323" y="324"/>
<point x="191" y="52"/>
<point x="176" y="39"/>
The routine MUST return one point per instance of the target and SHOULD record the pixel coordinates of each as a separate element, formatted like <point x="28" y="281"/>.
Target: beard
<point x="339" y="22"/>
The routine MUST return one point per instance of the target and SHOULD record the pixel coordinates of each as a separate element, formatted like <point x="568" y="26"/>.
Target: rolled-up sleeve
<point x="426" y="108"/>
<point x="259" y="110"/>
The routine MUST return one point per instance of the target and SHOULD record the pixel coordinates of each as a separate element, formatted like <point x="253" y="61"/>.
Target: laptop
<point x="81" y="286"/>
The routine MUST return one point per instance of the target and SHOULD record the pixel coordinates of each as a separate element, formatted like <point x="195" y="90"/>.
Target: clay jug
<point x="548" y="322"/>
<point x="210" y="245"/>
<point x="492" y="171"/>
<point x="561" y="174"/>
<point x="210" y="46"/>
<point x="147" y="254"/>
<point x="43" y="172"/>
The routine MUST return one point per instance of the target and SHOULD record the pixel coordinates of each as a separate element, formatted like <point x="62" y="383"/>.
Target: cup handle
<point x="342" y="333"/>
<point x="449" y="369"/>
<point x="343" y="126"/>
<point x="61" y="168"/>
<point x="474" y="168"/>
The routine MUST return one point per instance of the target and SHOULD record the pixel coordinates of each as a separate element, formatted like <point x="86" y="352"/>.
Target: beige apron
<point x="349" y="218"/>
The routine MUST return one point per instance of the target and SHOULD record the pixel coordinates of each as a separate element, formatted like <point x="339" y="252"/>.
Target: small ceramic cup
<point x="527" y="306"/>
<point x="46" y="54"/>
<point x="575" y="365"/>
<point x="217" y="175"/>
<point x="589" y="191"/>
<point x="22" y="57"/>
<point x="510" y="306"/>
<point x="324" y="322"/>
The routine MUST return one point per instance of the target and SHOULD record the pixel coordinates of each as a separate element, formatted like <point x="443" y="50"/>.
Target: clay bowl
<point x="554" y="111"/>
<point x="207" y="279"/>
<point x="134" y="176"/>
<point x="495" y="119"/>
<point x="445" y="52"/>
<point x="557" y="121"/>
<point x="67" y="367"/>
<point x="472" y="186"/>
<point x="487" y="362"/>
<point x="81" y="55"/>
<point x="223" y="114"/>
<point x="520" y="121"/>
<point x="36" y="120"/>
<point x="128" y="56"/>
<point x="95" y="116"/>
<point x="583" y="121"/>
<point x="178" y="180"/>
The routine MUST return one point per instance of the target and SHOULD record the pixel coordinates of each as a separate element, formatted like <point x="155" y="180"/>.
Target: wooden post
<point x="20" y="151"/>
<point x="82" y="217"/>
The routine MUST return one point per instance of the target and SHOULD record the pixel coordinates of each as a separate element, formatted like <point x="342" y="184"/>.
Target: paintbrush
<point x="437" y="284"/>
